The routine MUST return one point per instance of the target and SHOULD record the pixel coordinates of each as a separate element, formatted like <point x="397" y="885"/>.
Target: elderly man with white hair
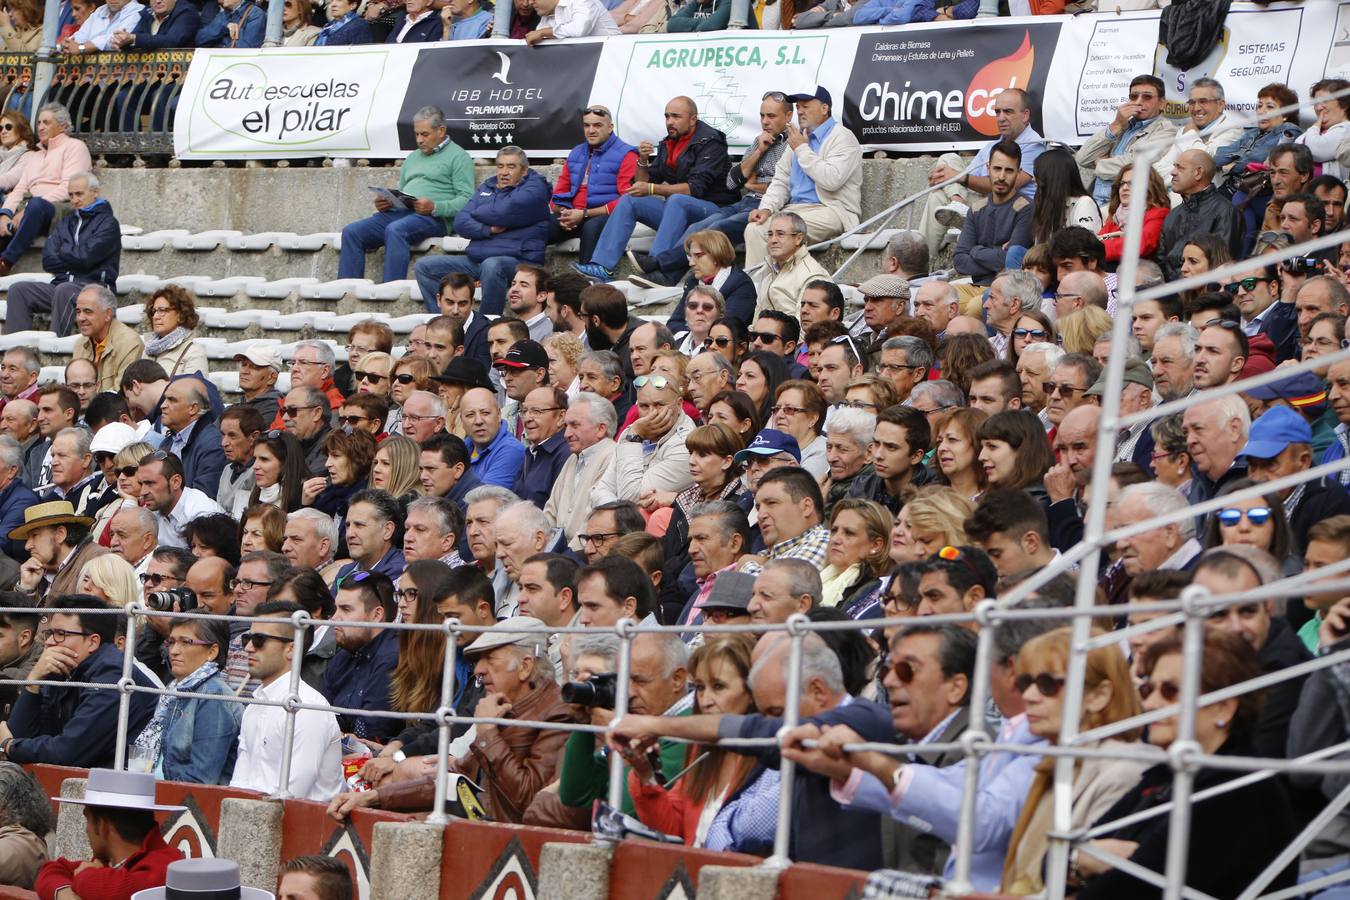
<point x="848" y="445"/>
<point x="938" y="303"/>
<point x="312" y="367"/>
<point x="1216" y="432"/>
<point x="1166" y="547"/>
<point x="74" y="477"/>
<point x="522" y="531"/>
<point x="1173" y="360"/>
<point x="309" y="541"/>
<point x="1012" y="292"/>
<point x="104" y="341"/>
<point x="133" y="534"/>
<point x="588" y="427"/>
<point x="651" y="457"/>
<point x="423" y="416"/>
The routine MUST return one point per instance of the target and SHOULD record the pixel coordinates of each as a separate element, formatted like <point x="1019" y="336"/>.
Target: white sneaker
<point x="953" y="215"/>
<point x="950" y="238"/>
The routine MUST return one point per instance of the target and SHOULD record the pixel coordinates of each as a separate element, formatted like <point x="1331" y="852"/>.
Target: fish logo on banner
<point x="498" y="95"/>
<point x="928" y="86"/>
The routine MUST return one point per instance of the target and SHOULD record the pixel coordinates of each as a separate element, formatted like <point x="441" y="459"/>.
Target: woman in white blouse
<point x="1331" y="131"/>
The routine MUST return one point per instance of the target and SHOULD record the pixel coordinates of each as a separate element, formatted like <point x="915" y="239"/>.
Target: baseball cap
<point x="885" y="286"/>
<point x="771" y="442"/>
<point x="1300" y="391"/>
<point x="466" y="371"/>
<point x="819" y="94"/>
<point x="503" y="635"/>
<point x="113" y="437"/>
<point x="264" y="356"/>
<point x="731" y="590"/>
<point x="1276" y="429"/>
<point x="1136" y="372"/>
<point x="525" y="354"/>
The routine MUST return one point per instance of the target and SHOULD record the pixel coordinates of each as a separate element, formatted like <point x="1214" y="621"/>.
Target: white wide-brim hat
<point x="203" y="879"/>
<point x="124" y="790"/>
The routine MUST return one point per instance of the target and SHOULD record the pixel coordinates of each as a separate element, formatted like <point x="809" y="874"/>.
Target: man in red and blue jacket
<point x="599" y="171"/>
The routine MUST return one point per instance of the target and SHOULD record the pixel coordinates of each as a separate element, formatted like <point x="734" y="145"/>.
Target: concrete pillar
<point x="250" y="834"/>
<point x="737" y="883"/>
<point x="71" y="841"/>
<point x="574" y="871"/>
<point x="405" y="861"/>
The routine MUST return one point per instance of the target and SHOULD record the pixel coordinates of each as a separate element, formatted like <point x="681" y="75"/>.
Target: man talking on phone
<point x="1138" y="127"/>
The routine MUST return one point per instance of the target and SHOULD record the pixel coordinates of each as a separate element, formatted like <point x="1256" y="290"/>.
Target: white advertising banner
<point x="923" y="87"/>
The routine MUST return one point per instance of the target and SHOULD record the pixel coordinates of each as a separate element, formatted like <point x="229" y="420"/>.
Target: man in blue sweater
<point x="506" y="222"/>
<point x="1003" y="222"/>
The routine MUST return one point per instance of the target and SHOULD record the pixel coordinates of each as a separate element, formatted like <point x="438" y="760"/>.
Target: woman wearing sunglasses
<point x="1227" y="849"/>
<point x="371" y="374"/>
<point x="1255" y="522"/>
<point x="121" y="473"/>
<point x="1108" y="697"/>
<point x="411" y="373"/>
<point x="1031" y="327"/>
<point x="16" y="141"/>
<point x="704" y="307"/>
<point x="278" y="471"/>
<point x="730" y="338"/>
<point x="191" y="739"/>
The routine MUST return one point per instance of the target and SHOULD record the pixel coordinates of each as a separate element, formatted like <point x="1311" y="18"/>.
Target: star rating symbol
<point x="475" y="138"/>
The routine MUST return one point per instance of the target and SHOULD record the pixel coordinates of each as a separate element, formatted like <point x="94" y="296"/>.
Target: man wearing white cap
<point x="259" y="367"/>
<point x="511" y="764"/>
<point x="128" y="855"/>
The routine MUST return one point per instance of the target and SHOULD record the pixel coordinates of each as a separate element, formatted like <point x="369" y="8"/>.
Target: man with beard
<point x="358" y="675"/>
<point x="1220" y="354"/>
<point x="608" y="325"/>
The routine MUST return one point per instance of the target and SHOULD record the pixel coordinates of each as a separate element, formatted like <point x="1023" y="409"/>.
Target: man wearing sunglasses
<point x="1139" y="127"/>
<point x="955" y="580"/>
<point x="1067" y="388"/>
<point x="306" y="415"/>
<point x="1264" y="311"/>
<point x="316" y="753"/>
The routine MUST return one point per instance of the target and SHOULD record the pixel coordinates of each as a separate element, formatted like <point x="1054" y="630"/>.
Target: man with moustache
<point x="358" y="675"/>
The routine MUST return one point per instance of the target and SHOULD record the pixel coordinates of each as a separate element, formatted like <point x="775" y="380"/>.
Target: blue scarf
<point x="332" y="27"/>
<point x="152" y="736"/>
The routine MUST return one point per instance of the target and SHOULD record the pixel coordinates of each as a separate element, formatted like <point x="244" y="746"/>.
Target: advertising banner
<point x="929" y="87"/>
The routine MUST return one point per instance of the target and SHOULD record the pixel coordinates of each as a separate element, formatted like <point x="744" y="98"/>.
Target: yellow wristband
<point x="651" y="189"/>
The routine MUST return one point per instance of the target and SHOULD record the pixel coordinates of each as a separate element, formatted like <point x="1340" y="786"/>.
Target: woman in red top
<point x="1156" y="209"/>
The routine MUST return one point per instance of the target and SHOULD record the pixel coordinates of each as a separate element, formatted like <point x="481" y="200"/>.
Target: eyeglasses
<point x="58" y="635"/>
<point x="155" y="580"/>
<point x="599" y="536"/>
<point x="161" y="309"/>
<point x="247" y="584"/>
<point x="787" y="410"/>
<point x="172" y="642"/>
<point x="1168" y="690"/>
<point x="408" y="594"/>
<point x="1245" y="284"/>
<point x="1062" y="295"/>
<point x="765" y="337"/>
<point x="719" y="341"/>
<point x="1048" y="685"/>
<point x="305" y="362"/>
<point x="859" y="404"/>
<point x="258" y="639"/>
<point x="373" y="376"/>
<point x="660" y="382"/>
<point x="405" y="378"/>
<point x="352" y="420"/>
<point x="290" y="412"/>
<point x="411" y="417"/>
<point x="1064" y="390"/>
<point x="1037" y="333"/>
<point x="361" y="351"/>
<point x="897" y="600"/>
<point x="530" y="412"/>
<point x="1257" y="515"/>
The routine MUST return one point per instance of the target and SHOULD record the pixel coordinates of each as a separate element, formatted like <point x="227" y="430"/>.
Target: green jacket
<point x="444" y="176"/>
<point x="584" y="776"/>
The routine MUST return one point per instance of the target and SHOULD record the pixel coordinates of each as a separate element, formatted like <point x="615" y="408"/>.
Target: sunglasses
<point x="126" y="472"/>
<point x="6" y="126"/>
<point x="352" y="420"/>
<point x="595" y="111"/>
<point x="1048" y="685"/>
<point x="1168" y="690"/>
<point x="373" y="376"/>
<point x="660" y="382"/>
<point x="1257" y="515"/>
<point x="848" y="339"/>
<point x="701" y="307"/>
<point x="776" y="96"/>
<point x="258" y="640"/>
<point x="155" y="580"/>
<point x="1064" y="390"/>
<point x="1031" y="332"/>
<point x="405" y="378"/>
<point x="765" y="337"/>
<point x="904" y="671"/>
<point x="719" y="341"/>
<point x="1246" y="284"/>
<point x="290" y="412"/>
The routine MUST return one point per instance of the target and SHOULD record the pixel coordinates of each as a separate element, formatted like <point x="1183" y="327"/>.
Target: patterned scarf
<point x="152" y="735"/>
<point x="156" y="345"/>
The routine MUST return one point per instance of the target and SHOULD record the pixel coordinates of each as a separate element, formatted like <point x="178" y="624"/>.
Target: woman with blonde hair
<point x="110" y="578"/>
<point x="395" y="467"/>
<point x="373" y="374"/>
<point x="933" y="518"/>
<point x="1109" y="696"/>
<point x="411" y="373"/>
<point x="855" y="556"/>
<point x="564" y="351"/>
<point x="1079" y="330"/>
<point x="125" y="464"/>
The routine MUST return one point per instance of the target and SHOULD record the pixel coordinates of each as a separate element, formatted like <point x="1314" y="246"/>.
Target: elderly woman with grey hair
<point x="25" y="819"/>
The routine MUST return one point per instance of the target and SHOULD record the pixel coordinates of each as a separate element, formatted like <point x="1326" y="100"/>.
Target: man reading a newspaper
<point x="433" y="187"/>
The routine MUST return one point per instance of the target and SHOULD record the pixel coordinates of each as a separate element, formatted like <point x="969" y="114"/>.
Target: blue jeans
<point x="627" y="213"/>
<point x="37" y="217"/>
<point x="495" y="273"/>
<point x="1335" y="892"/>
<point x="730" y="220"/>
<point x="681" y="211"/>
<point x="397" y="231"/>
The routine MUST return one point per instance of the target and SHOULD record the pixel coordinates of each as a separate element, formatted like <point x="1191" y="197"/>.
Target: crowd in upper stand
<point x="538" y="456"/>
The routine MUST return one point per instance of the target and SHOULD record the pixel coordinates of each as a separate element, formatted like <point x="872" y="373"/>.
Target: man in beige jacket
<point x="789" y="268"/>
<point x="651" y="462"/>
<point x="589" y="428"/>
<point x="819" y="178"/>
<point x="1138" y="127"/>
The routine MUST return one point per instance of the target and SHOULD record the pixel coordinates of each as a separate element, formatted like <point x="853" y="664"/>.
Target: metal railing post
<point x="1184" y="743"/>
<point x="299" y="621"/>
<point x="787" y="769"/>
<point x="624" y="628"/>
<point x="501" y="19"/>
<point x="45" y="68"/>
<point x="124" y="687"/>
<point x="272" y="37"/>
<point x="443" y="715"/>
<point x="974" y="740"/>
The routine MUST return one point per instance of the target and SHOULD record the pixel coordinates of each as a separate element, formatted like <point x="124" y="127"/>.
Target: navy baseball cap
<point x="820" y="94"/>
<point x="771" y="442"/>
<point x="1300" y="391"/>
<point x="524" y="354"/>
<point x="1277" y="428"/>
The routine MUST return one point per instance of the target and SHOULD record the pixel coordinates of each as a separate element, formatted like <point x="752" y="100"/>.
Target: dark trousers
<point x="28" y="297"/>
<point x="589" y="233"/>
<point x="37" y="218"/>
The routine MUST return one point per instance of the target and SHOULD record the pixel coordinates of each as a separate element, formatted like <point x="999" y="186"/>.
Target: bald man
<point x="699" y="170"/>
<point x="190" y="423"/>
<point x="1203" y="210"/>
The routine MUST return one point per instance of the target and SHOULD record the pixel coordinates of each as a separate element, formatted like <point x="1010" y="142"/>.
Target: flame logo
<point x="996" y="77"/>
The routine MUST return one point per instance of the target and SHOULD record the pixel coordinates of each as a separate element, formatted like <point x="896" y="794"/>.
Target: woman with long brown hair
<point x="416" y="683"/>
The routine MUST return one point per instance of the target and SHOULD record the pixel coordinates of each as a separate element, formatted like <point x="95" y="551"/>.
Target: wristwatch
<point x="895" y="777"/>
<point x="398" y="756"/>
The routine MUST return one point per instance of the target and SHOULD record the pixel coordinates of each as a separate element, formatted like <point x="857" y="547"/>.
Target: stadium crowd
<point x="537" y="457"/>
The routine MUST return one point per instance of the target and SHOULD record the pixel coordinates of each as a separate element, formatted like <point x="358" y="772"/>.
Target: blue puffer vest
<point x="603" y="186"/>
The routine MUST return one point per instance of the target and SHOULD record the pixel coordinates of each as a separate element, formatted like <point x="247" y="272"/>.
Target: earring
<point x="1221" y="723"/>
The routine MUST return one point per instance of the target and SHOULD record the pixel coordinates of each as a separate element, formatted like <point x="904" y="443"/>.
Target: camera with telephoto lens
<point x="164" y="601"/>
<point x="600" y="692"/>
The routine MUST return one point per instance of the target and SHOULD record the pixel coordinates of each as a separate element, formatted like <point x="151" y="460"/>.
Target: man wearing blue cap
<point x="819" y="177"/>
<point x="1306" y="394"/>
<point x="1280" y="444"/>
<point x="771" y="449"/>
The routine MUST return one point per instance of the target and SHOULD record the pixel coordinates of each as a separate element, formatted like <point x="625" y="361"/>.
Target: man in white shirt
<point x="164" y="493"/>
<point x="97" y="30"/>
<point x="562" y="19"/>
<point x="316" y="753"/>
